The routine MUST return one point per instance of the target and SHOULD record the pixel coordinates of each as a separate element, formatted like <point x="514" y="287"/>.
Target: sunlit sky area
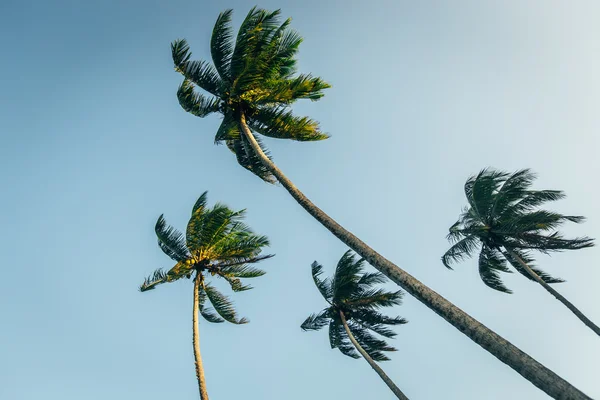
<point x="94" y="147"/>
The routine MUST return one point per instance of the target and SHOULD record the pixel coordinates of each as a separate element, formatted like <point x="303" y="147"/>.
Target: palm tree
<point x="353" y="313"/>
<point x="252" y="84"/>
<point x="503" y="223"/>
<point x="216" y="243"/>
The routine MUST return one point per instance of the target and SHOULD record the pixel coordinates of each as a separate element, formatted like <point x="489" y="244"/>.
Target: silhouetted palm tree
<point x="253" y="84"/>
<point x="503" y="222"/>
<point x="353" y="314"/>
<point x="216" y="243"/>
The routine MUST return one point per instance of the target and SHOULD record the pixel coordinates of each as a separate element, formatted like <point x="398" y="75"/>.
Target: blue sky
<point x="95" y="147"/>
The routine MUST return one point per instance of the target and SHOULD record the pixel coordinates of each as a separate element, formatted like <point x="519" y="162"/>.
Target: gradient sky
<point x="94" y="147"/>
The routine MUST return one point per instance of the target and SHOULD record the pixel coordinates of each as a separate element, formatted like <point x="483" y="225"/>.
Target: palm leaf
<point x="286" y="91"/>
<point x="221" y="45"/>
<point x="223" y="306"/>
<point x="207" y="312"/>
<point x="535" y="198"/>
<point x="339" y="340"/>
<point x="203" y="226"/>
<point x="480" y="190"/>
<point x="316" y="321"/>
<point x="377" y="322"/>
<point x="346" y="276"/>
<point x="244" y="271"/>
<point x="200" y="204"/>
<point x="324" y="285"/>
<point x="255" y="27"/>
<point x="171" y="241"/>
<point x="228" y="130"/>
<point x="235" y="283"/>
<point x="527" y="259"/>
<point x="196" y="103"/>
<point x="280" y="123"/>
<point x="235" y="266"/>
<point x="373" y="346"/>
<point x="373" y="298"/>
<point x="158" y="277"/>
<point x="460" y="250"/>
<point x="247" y="159"/>
<point x="490" y="264"/>
<point x="514" y="188"/>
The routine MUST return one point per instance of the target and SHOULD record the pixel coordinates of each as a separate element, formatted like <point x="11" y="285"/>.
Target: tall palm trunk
<point x="549" y="288"/>
<point x="371" y="362"/>
<point x="505" y="351"/>
<point x="196" y="339"/>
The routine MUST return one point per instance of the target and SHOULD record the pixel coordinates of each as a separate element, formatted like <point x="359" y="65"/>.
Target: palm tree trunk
<point x="505" y="351"/>
<point x="371" y="362"/>
<point x="549" y="288"/>
<point x="196" y="340"/>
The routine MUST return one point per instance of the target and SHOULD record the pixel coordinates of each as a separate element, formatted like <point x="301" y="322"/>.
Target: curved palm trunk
<point x="558" y="296"/>
<point x="505" y="351"/>
<point x="196" y="340"/>
<point x="371" y="362"/>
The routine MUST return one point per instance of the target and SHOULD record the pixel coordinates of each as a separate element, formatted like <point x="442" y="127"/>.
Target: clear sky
<point x="94" y="147"/>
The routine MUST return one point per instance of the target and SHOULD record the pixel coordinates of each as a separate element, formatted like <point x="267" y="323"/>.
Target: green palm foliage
<point x="504" y="224"/>
<point x="216" y="243"/>
<point x="502" y="213"/>
<point x="353" y="293"/>
<point x="355" y="324"/>
<point x="252" y="76"/>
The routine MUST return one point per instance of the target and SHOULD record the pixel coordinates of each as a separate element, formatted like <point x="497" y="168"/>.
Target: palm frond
<point x="339" y="340"/>
<point x="375" y="318"/>
<point x="324" y="285"/>
<point x="239" y="247"/>
<point x="373" y="299"/>
<point x="235" y="283"/>
<point x="196" y="103"/>
<point x="369" y="279"/>
<point x="378" y="323"/>
<point x="347" y="275"/>
<point x="286" y="52"/>
<point x="534" y="198"/>
<point x="535" y="221"/>
<point x="180" y="50"/>
<point x="480" y="190"/>
<point x="252" y="35"/>
<point x="551" y="243"/>
<point x="158" y="277"/>
<point x="286" y="91"/>
<point x="171" y="241"/>
<point x="221" y="45"/>
<point x="280" y="123"/>
<point x="460" y="250"/>
<point x="238" y="267"/>
<point x="228" y="130"/>
<point x="527" y="259"/>
<point x="316" y="321"/>
<point x="249" y="160"/>
<point x="204" y="226"/>
<point x="200" y="204"/>
<point x="373" y="346"/>
<point x="207" y="313"/>
<point x="490" y="264"/>
<point x="223" y="305"/>
<point x="180" y="270"/>
<point x="201" y="73"/>
<point x="513" y="189"/>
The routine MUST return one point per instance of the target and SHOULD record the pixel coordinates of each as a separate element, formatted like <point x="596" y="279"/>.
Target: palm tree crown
<point x="502" y="214"/>
<point x="253" y="78"/>
<point x="218" y="243"/>
<point x="352" y="292"/>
